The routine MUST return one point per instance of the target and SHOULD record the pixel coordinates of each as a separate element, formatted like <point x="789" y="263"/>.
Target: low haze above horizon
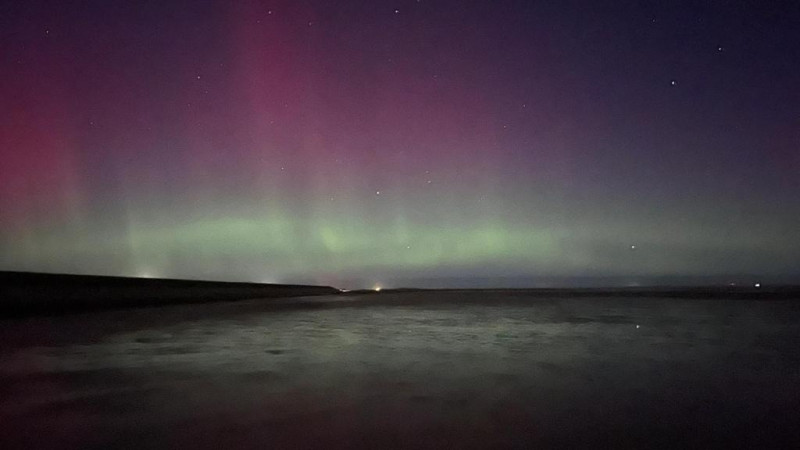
<point x="327" y="142"/>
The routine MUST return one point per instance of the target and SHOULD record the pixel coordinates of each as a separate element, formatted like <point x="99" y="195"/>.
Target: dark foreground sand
<point x="500" y="369"/>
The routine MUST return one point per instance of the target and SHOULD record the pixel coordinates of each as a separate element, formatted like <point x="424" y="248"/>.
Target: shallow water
<point x="454" y="369"/>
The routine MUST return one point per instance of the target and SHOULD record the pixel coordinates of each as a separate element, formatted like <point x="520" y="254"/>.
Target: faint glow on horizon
<point x="146" y="274"/>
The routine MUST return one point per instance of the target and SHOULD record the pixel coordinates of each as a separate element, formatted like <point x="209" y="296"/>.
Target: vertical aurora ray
<point x="318" y="142"/>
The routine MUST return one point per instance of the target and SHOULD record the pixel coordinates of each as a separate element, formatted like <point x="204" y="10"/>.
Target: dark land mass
<point x="26" y="293"/>
<point x="29" y="294"/>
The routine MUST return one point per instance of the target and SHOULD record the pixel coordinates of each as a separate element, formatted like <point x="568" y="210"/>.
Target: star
<point x="633" y="247"/>
<point x="397" y="11"/>
<point x="673" y="82"/>
<point x="377" y="192"/>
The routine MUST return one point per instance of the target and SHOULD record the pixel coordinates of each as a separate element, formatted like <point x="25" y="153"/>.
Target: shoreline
<point x="35" y="294"/>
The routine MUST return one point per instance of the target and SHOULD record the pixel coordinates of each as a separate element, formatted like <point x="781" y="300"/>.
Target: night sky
<point x="361" y="142"/>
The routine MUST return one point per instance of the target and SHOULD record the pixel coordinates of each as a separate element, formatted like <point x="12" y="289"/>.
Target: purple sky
<point x="373" y="140"/>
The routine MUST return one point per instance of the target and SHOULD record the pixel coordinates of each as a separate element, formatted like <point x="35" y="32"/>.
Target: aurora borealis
<point x="330" y="141"/>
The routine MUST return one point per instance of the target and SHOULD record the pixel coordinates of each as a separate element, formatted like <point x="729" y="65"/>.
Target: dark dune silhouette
<point x="25" y="293"/>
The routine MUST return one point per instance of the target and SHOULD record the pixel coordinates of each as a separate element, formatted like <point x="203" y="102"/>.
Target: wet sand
<point x="461" y="369"/>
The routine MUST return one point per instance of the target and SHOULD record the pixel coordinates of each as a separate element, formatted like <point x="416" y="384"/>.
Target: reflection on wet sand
<point x="427" y="370"/>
